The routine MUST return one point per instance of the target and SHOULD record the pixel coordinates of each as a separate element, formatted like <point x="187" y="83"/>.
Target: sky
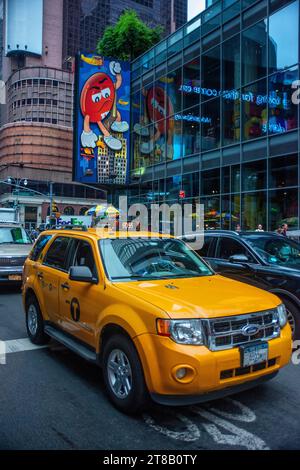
<point x="195" y="7"/>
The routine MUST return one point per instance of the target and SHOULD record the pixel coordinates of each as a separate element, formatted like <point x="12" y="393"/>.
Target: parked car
<point x="262" y="259"/>
<point x="154" y="315"/>
<point x="15" y="244"/>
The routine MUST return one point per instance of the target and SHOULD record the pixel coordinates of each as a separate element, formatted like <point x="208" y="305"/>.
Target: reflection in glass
<point x="283" y="208"/>
<point x="231" y="63"/>
<point x="231" y="121"/>
<point x="190" y="132"/>
<point x="283" y="37"/>
<point x="210" y="129"/>
<point x="254" y="104"/>
<point x="210" y="72"/>
<point x="254" y="57"/>
<point x="191" y="83"/>
<point x="211" y="212"/>
<point x="254" y="175"/>
<point x="283" y="114"/>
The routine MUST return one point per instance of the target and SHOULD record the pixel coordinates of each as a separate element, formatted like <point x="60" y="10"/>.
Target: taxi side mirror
<point x="81" y="274"/>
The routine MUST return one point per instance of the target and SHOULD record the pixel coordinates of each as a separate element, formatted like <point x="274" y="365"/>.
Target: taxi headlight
<point x="282" y="315"/>
<point x="181" y="331"/>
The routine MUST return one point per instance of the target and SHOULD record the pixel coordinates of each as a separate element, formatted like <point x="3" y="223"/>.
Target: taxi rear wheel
<point x="123" y="375"/>
<point x="35" y="322"/>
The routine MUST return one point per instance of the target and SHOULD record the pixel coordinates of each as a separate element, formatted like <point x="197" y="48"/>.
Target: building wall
<point x="36" y="151"/>
<point x="40" y="94"/>
<point x="213" y="114"/>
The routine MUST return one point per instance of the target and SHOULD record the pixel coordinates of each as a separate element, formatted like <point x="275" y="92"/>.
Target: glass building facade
<point x="215" y="115"/>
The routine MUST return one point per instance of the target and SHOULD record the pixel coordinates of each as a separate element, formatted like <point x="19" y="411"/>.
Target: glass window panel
<point x="283" y="171"/>
<point x="231" y="63"/>
<point x="173" y="98"/>
<point x="210" y="129"/>
<point x="210" y="72"/>
<point x="284" y="37"/>
<point x="254" y="175"/>
<point x="211" y="212"/>
<point x="210" y="182"/>
<point x="235" y="178"/>
<point x="283" y="208"/>
<point x="225" y="179"/>
<point x="254" y="57"/>
<point x="254" y="104"/>
<point x="191" y="141"/>
<point x="191" y="83"/>
<point x="235" y="211"/>
<point x="283" y="113"/>
<point x="225" y="212"/>
<point x="231" y="118"/>
<point x="254" y="210"/>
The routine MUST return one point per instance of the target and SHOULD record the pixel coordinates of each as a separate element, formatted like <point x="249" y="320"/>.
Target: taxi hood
<point x="201" y="297"/>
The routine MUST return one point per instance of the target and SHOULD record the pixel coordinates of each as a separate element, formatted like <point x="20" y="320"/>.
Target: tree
<point x="129" y="38"/>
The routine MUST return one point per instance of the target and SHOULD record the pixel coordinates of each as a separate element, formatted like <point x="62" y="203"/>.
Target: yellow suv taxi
<point x="154" y="315"/>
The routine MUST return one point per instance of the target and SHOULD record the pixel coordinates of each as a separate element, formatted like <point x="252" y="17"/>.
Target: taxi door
<point x="80" y="302"/>
<point x="47" y="277"/>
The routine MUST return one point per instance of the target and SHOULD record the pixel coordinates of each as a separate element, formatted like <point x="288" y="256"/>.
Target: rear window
<point x="39" y="246"/>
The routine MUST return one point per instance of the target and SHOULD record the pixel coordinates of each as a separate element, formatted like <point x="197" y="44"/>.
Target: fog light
<point x="181" y="373"/>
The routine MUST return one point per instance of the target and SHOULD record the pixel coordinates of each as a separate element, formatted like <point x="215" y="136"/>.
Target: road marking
<point x="191" y="434"/>
<point x="20" y="345"/>
<point x="214" y="425"/>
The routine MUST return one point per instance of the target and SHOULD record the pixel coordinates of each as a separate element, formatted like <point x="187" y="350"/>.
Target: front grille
<point x="229" y="373"/>
<point x="227" y="333"/>
<point x="12" y="260"/>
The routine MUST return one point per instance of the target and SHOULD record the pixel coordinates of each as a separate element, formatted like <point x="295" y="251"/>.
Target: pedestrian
<point x="279" y="230"/>
<point x="284" y="229"/>
<point x="259" y="228"/>
<point x="238" y="228"/>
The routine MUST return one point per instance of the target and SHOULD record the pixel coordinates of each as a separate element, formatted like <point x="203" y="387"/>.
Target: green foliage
<point x="129" y="38"/>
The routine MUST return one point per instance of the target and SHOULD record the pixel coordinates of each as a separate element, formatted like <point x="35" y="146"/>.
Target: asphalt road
<point x="52" y="399"/>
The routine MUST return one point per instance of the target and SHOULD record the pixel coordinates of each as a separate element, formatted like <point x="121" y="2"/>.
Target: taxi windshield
<point x="150" y="258"/>
<point x="276" y="250"/>
<point x="14" y="235"/>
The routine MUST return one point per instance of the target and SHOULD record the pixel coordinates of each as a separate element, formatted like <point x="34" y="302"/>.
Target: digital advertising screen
<point x="102" y="120"/>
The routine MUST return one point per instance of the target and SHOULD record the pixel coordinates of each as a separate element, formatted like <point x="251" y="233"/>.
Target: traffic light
<point x="54" y="207"/>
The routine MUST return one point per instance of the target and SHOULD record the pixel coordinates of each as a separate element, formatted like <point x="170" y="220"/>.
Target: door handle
<point x="40" y="276"/>
<point x="65" y="286"/>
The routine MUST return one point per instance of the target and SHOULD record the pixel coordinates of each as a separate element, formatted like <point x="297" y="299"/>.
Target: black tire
<point x="294" y="317"/>
<point x="36" y="335"/>
<point x="137" y="398"/>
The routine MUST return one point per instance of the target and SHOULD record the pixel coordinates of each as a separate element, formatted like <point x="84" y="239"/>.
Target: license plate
<point x="254" y="354"/>
<point x="15" y="277"/>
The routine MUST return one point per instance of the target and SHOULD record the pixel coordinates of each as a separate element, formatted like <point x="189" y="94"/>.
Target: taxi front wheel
<point x="123" y="375"/>
<point x="35" y="322"/>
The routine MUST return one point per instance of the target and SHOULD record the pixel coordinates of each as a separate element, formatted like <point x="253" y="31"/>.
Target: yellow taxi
<point x="153" y="315"/>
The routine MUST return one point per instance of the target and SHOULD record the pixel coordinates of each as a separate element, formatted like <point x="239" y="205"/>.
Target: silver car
<point x="15" y="245"/>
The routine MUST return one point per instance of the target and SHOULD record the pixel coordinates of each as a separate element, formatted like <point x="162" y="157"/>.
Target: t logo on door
<point x="75" y="309"/>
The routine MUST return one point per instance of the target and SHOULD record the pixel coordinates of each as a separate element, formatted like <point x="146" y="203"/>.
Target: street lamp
<point x="17" y="182"/>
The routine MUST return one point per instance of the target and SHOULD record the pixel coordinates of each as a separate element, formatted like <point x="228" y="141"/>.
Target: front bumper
<point x="161" y="358"/>
<point x="6" y="272"/>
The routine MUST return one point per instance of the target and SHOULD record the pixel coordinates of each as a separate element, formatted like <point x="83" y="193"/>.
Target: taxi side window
<point x="39" y="246"/>
<point x="84" y="257"/>
<point x="57" y="254"/>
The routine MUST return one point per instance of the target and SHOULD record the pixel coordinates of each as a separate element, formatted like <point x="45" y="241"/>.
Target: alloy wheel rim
<point x="291" y="321"/>
<point x="32" y="320"/>
<point x="119" y="374"/>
